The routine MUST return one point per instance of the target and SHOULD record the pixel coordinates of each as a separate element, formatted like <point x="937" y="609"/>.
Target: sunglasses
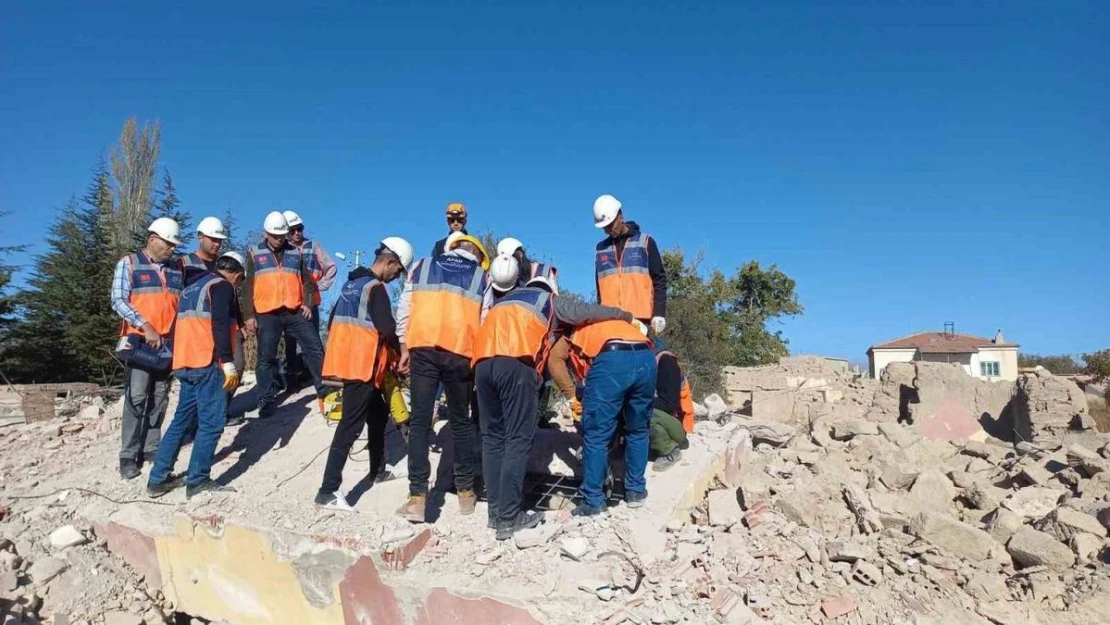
<point x="456" y="220"/>
<point x="296" y="229"/>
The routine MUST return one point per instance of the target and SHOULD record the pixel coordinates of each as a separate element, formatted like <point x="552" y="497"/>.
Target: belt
<point x="615" y="346"/>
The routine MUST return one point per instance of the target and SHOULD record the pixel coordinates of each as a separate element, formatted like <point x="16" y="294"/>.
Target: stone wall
<point x="1046" y="406"/>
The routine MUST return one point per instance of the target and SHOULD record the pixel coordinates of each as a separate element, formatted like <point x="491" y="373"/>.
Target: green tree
<point x="1063" y="364"/>
<point x="134" y="163"/>
<point x="236" y="237"/>
<point x="7" y="302"/>
<point x="1098" y="364"/>
<point x="169" y="205"/>
<point x="67" y="328"/>
<point x="759" y="297"/>
<point x="697" y="327"/>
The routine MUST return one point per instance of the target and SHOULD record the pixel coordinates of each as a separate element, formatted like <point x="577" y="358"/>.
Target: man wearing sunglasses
<point x="456" y="222"/>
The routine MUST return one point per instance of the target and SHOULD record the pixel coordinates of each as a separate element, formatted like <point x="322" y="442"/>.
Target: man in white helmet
<point x="529" y="269"/>
<point x="146" y="287"/>
<point x="629" y="268"/>
<point x="363" y="348"/>
<point x="277" y="293"/>
<point x="324" y="271"/>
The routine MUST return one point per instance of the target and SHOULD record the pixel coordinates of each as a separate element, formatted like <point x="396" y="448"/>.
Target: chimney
<point x="998" y="338"/>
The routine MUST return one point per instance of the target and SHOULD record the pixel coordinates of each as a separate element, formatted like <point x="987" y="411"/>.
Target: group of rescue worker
<point x="484" y="330"/>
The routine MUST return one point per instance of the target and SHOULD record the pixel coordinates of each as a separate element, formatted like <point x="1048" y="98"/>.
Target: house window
<point x="990" y="369"/>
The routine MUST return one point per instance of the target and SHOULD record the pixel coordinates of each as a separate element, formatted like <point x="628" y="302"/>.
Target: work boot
<point x="468" y="499"/>
<point x="662" y="463"/>
<point x="524" y="520"/>
<point x="413" y="510"/>
<point x="586" y="510"/>
<point x="128" y="468"/>
<point x="635" y="500"/>
<point x="154" y="491"/>
<point x="207" y="486"/>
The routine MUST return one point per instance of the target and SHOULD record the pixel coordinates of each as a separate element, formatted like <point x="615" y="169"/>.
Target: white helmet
<point x="166" y="229"/>
<point x="606" y="208"/>
<point x="237" y="257"/>
<point x="504" y="270"/>
<point x="293" y="219"/>
<point x="212" y="228"/>
<point x="508" y="246"/>
<point x="548" y="279"/>
<point x="275" y="223"/>
<point x="401" y="248"/>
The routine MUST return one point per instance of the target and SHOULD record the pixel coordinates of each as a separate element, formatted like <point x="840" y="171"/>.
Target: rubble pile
<point x="1046" y="406"/>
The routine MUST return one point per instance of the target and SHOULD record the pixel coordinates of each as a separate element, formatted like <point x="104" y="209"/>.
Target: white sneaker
<point x="335" y="502"/>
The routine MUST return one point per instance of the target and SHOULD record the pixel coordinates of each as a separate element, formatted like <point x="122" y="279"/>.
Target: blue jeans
<point x="202" y="407"/>
<point x="617" y="380"/>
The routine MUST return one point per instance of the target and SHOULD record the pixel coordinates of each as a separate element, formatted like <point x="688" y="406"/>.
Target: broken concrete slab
<point x="1065" y="522"/>
<point x="1029" y="547"/>
<point x="959" y="539"/>
<point x="67" y="536"/>
<point x="724" y="508"/>
<point x="1002" y="524"/>
<point x="45" y="569"/>
<point x="933" y="491"/>
<point x="1034" y="502"/>
<point x="847" y="430"/>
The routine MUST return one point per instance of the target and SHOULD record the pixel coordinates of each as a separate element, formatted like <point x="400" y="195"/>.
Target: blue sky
<point x="907" y="163"/>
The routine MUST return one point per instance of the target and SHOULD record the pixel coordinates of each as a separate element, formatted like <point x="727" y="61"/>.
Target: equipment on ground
<point x="275" y="224"/>
<point x="212" y="228"/>
<point x="504" y="270"/>
<point x="401" y="248"/>
<point x="606" y="209"/>
<point x="291" y="218"/>
<point x="166" y="229"/>
<point x="331" y="405"/>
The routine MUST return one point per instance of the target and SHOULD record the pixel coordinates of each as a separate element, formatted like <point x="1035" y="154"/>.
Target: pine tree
<point x="68" y="327"/>
<point x="7" y="302"/>
<point x="168" y="205"/>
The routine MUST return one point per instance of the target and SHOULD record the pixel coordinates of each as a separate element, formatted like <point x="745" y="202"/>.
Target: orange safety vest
<point x="155" y="290"/>
<point x="194" y="342"/>
<point x="308" y="250"/>
<point x="623" y="281"/>
<point x="685" y="395"/>
<point x="355" y="350"/>
<point x="587" y="341"/>
<point x="276" y="286"/>
<point x="518" y="326"/>
<point x="446" y="304"/>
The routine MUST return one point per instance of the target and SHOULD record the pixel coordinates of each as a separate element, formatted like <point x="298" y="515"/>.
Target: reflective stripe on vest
<point x="624" y="281"/>
<point x="685" y="395"/>
<point x="543" y="269"/>
<point x="587" y="341"/>
<point x="276" y="286"/>
<point x="446" y="304"/>
<point x="192" y="261"/>
<point x="355" y="351"/>
<point x="155" y="290"/>
<point x="518" y="326"/>
<point x="194" y="343"/>
<point x="308" y="251"/>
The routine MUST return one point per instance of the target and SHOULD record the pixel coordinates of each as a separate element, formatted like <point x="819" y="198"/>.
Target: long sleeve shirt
<point x="570" y="314"/>
<point x="327" y="266"/>
<point x="247" y="290"/>
<point x="404" y="307"/>
<point x="668" y="385"/>
<point x="224" y="312"/>
<point x="656" y="270"/>
<point x="121" y="292"/>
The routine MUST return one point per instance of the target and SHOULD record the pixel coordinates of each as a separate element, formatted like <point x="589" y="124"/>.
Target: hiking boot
<point x="635" y="500"/>
<point x="523" y="521"/>
<point x="586" y="510"/>
<point x="662" y="463"/>
<point x="684" y="445"/>
<point x="129" y="469"/>
<point x="413" y="510"/>
<point x="207" y="486"/>
<point x="334" y="501"/>
<point x="468" y="500"/>
<point x="154" y="491"/>
<point x="234" y="422"/>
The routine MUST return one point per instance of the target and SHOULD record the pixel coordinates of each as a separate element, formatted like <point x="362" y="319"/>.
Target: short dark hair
<point x="227" y="263"/>
<point x="384" y="253"/>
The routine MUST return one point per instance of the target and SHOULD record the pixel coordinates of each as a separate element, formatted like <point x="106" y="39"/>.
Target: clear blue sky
<point x="907" y="163"/>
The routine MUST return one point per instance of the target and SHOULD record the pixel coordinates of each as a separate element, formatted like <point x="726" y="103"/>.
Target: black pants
<point x="295" y="368"/>
<point x="429" y="368"/>
<point x="363" y="405"/>
<point x="507" y="396"/>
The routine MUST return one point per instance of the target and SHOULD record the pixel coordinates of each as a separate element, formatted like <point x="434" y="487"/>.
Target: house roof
<point x="941" y="343"/>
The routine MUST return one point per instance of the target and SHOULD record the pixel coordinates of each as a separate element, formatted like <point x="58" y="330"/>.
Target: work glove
<point x="658" y="324"/>
<point x="231" y="377"/>
<point x="576" y="409"/>
<point x="640" y="326"/>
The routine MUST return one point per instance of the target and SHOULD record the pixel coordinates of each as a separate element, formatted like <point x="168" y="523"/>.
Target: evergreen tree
<point x="68" y="327"/>
<point x="168" y="205"/>
<point x="7" y="302"/>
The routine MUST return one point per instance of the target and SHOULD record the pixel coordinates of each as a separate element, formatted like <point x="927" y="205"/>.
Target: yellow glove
<point x="576" y="409"/>
<point x="231" y="377"/>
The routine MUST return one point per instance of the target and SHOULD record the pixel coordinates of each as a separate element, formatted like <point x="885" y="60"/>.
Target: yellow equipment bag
<point x="391" y="388"/>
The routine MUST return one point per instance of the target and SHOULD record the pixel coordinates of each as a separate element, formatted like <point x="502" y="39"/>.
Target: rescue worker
<point x="362" y="349"/>
<point x="323" y="269"/>
<point x="673" y="414"/>
<point x="204" y="364"/>
<point x="146" y="287"/>
<point x="456" y="222"/>
<point x="277" y="290"/>
<point x="615" y="363"/>
<point x="443" y="302"/>
<point x="527" y="269"/>
<point x="629" y="268"/>
<point x="210" y="238"/>
<point x="510" y="350"/>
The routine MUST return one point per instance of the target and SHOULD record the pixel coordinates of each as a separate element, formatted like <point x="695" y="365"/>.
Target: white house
<point x="989" y="359"/>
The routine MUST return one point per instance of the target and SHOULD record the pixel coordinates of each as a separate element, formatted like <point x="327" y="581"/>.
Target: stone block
<point x="959" y="539"/>
<point x="1034" y="502"/>
<point x="67" y="536"/>
<point x="1002" y="524"/>
<point x="1029" y="547"/>
<point x="933" y="491"/>
<point x="724" y="508"/>
<point x="847" y="430"/>
<point x="1065" y="522"/>
<point x="45" y="569"/>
